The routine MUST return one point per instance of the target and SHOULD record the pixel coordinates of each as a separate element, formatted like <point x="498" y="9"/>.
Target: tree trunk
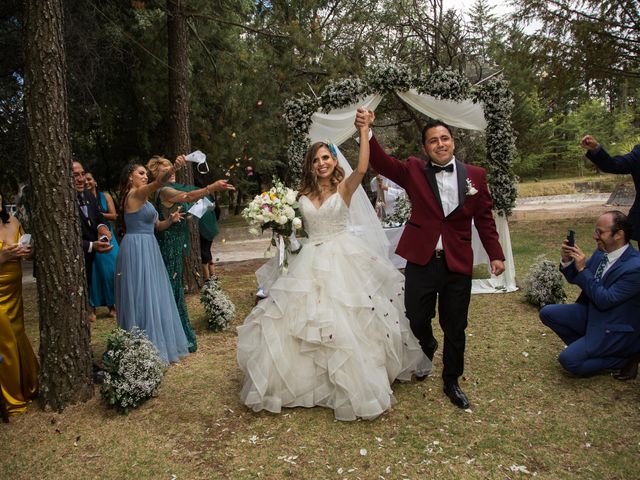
<point x="65" y="343"/>
<point x="180" y="138"/>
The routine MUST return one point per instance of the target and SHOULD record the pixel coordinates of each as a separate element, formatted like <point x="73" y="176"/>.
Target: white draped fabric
<point x="337" y="126"/>
<point x="465" y="114"/>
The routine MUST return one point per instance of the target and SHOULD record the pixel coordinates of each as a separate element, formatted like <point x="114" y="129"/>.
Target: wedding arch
<point x="443" y="95"/>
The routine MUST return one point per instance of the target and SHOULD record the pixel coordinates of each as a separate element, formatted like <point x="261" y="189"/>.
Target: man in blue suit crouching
<point x="602" y="329"/>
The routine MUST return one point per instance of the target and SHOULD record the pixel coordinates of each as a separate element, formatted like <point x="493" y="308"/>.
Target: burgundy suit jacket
<point x="428" y="222"/>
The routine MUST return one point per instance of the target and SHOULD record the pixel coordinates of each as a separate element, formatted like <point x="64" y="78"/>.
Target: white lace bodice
<point x="327" y="221"/>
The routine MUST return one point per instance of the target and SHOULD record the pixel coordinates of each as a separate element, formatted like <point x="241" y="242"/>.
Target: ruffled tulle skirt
<point x="332" y="333"/>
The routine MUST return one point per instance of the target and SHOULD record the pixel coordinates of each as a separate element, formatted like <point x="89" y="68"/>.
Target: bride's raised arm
<point x="353" y="181"/>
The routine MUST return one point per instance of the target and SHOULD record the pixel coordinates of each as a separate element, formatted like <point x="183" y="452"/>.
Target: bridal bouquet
<point x="278" y="210"/>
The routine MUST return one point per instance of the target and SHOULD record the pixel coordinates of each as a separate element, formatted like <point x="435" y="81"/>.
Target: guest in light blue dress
<point x="144" y="298"/>
<point x="101" y="290"/>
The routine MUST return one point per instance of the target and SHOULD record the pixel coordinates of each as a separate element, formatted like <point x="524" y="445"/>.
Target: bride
<point x="332" y="330"/>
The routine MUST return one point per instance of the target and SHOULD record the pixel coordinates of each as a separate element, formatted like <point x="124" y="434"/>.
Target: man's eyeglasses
<point x="599" y="232"/>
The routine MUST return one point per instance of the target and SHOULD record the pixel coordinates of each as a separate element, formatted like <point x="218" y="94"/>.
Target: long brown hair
<point x="309" y="181"/>
<point x="125" y="187"/>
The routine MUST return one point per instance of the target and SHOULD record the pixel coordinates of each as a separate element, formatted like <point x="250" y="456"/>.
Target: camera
<point x="103" y="238"/>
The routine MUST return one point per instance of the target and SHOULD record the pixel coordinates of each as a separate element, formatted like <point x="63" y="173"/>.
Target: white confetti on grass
<point x="288" y="458"/>
<point x="363" y="452"/>
<point x="519" y="469"/>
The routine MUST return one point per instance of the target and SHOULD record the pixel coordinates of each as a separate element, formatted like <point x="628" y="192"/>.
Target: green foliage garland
<point x="494" y="95"/>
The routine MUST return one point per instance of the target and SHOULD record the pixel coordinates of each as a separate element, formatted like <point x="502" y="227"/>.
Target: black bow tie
<point x="438" y="168"/>
<point x="81" y="199"/>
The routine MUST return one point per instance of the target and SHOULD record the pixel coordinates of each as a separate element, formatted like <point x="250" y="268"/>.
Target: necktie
<point x="438" y="168"/>
<point x="601" y="266"/>
<point x="83" y="205"/>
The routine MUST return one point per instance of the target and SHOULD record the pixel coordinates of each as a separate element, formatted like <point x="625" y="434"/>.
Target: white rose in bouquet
<point x="296" y="223"/>
<point x="289" y="212"/>
<point x="290" y="196"/>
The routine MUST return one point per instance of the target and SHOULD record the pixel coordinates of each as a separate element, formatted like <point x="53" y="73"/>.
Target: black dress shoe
<point x="630" y="369"/>
<point x="456" y="395"/>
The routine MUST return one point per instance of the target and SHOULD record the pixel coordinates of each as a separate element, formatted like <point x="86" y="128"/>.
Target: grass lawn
<point x="527" y="416"/>
<point x="604" y="183"/>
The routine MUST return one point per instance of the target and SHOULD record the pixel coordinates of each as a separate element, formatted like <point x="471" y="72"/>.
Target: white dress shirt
<point x="448" y="189"/>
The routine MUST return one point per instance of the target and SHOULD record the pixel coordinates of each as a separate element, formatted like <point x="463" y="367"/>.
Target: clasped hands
<point x="364" y="118"/>
<point x="14" y="252"/>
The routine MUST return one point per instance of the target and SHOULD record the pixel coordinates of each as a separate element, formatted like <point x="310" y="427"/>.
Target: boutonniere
<point x="471" y="190"/>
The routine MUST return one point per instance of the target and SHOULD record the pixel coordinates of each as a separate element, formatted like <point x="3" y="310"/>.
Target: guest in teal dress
<point x="174" y="241"/>
<point x="143" y="291"/>
<point x="101" y="290"/>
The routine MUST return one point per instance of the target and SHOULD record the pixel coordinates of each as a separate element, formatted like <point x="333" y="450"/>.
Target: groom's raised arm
<point x="382" y="163"/>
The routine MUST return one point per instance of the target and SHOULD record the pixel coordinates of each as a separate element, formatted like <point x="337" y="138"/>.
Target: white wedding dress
<point x="332" y="331"/>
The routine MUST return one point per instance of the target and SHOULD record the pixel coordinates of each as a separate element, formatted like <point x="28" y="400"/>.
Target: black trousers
<point x="426" y="284"/>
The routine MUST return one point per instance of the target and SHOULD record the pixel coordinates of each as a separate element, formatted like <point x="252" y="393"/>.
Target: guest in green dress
<point x="174" y="241"/>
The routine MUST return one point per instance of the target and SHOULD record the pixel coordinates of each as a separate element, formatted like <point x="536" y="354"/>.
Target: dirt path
<point x="235" y="244"/>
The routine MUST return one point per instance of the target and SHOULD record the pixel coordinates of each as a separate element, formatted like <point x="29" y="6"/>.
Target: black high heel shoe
<point x="630" y="369"/>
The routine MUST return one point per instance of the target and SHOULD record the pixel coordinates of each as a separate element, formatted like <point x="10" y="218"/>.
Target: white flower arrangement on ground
<point x="543" y="284"/>
<point x="401" y="213"/>
<point x="133" y="369"/>
<point x="278" y="210"/>
<point x="217" y="306"/>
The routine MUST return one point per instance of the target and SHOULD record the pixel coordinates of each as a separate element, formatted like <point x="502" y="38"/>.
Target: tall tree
<point x="612" y="25"/>
<point x="483" y="33"/>
<point x="178" y="53"/>
<point x="65" y="353"/>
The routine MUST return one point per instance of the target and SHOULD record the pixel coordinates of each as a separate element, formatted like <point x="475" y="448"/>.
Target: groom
<point x="446" y="197"/>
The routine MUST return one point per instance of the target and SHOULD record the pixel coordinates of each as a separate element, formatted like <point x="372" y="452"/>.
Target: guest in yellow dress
<point x="19" y="370"/>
